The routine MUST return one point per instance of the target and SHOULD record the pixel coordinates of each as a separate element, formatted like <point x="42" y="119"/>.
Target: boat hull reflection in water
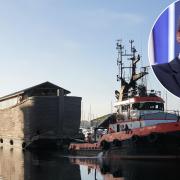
<point x="114" y="168"/>
<point x="18" y="165"/>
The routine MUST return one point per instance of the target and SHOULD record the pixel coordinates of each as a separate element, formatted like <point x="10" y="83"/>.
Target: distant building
<point x="103" y="121"/>
<point x="85" y="124"/>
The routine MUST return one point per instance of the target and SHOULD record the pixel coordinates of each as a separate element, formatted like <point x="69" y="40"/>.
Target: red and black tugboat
<point x="141" y="126"/>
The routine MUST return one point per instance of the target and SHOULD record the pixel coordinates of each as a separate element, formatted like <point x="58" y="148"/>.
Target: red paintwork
<point x="111" y="130"/>
<point x="138" y="99"/>
<point x="91" y="163"/>
<point x="158" y="128"/>
<point x="84" y="146"/>
<point x="148" y="99"/>
<point x="143" y="131"/>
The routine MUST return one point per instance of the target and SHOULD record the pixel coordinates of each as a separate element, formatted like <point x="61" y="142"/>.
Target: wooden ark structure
<point x="42" y="116"/>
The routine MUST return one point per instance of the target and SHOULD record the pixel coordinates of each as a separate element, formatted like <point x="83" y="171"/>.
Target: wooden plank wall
<point x="42" y="115"/>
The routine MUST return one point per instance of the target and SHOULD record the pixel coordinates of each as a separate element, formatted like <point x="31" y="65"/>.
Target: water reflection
<point x="11" y="164"/>
<point x="18" y="165"/>
<point x="114" y="168"/>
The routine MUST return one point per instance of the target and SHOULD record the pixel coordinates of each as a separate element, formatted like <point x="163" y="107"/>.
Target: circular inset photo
<point x="164" y="48"/>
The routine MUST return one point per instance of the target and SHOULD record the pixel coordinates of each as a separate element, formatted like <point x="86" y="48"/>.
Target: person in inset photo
<point x="164" y="48"/>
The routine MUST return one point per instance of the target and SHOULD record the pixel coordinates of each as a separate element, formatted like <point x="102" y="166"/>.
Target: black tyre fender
<point x="104" y="169"/>
<point x="116" y="142"/>
<point x="135" y="138"/>
<point x="152" y="138"/>
<point x="105" y="145"/>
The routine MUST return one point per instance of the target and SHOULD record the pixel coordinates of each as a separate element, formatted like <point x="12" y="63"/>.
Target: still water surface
<point x="18" y="165"/>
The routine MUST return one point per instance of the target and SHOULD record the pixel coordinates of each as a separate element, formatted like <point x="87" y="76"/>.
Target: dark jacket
<point x="169" y="75"/>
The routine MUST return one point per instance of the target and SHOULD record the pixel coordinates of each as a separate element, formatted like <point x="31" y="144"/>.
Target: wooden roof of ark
<point x="42" y="86"/>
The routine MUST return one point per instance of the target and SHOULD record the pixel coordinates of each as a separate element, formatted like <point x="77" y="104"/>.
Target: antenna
<point x="166" y="100"/>
<point x="119" y="48"/>
<point x="123" y="75"/>
<point x="123" y="53"/>
<point x="131" y="42"/>
<point x="144" y="69"/>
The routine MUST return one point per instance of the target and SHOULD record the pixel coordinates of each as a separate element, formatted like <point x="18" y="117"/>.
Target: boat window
<point x="125" y="107"/>
<point x="135" y="106"/>
<point x="148" y="106"/>
<point x="118" y="127"/>
<point x="122" y="127"/>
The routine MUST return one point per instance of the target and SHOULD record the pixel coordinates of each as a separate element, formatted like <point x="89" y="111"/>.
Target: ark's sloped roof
<point x="49" y="85"/>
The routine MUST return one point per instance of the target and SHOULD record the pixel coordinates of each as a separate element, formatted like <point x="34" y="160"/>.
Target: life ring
<point x="116" y="142"/>
<point x="135" y="138"/>
<point x="105" y="145"/>
<point x="152" y="138"/>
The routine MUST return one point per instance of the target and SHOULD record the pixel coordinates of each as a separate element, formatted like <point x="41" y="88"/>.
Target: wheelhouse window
<point x="148" y="106"/>
<point x="125" y="107"/>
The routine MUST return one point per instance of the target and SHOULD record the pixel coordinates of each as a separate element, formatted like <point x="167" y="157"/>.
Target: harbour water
<point x="16" y="164"/>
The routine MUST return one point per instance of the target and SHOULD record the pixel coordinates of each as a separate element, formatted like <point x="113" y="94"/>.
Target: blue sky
<point x="71" y="43"/>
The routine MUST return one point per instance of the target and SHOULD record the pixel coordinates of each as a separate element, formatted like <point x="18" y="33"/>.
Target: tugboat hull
<point x="147" y="147"/>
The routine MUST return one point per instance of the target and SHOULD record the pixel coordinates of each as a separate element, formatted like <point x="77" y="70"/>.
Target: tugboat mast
<point x="131" y="84"/>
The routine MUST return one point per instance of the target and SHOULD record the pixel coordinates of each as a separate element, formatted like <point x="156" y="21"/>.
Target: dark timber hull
<point x="40" y="122"/>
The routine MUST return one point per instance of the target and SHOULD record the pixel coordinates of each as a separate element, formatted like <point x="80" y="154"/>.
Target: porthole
<point x="23" y="145"/>
<point x="11" y="142"/>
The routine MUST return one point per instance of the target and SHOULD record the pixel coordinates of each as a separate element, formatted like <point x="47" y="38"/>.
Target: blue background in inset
<point x="177" y="18"/>
<point x="160" y="37"/>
